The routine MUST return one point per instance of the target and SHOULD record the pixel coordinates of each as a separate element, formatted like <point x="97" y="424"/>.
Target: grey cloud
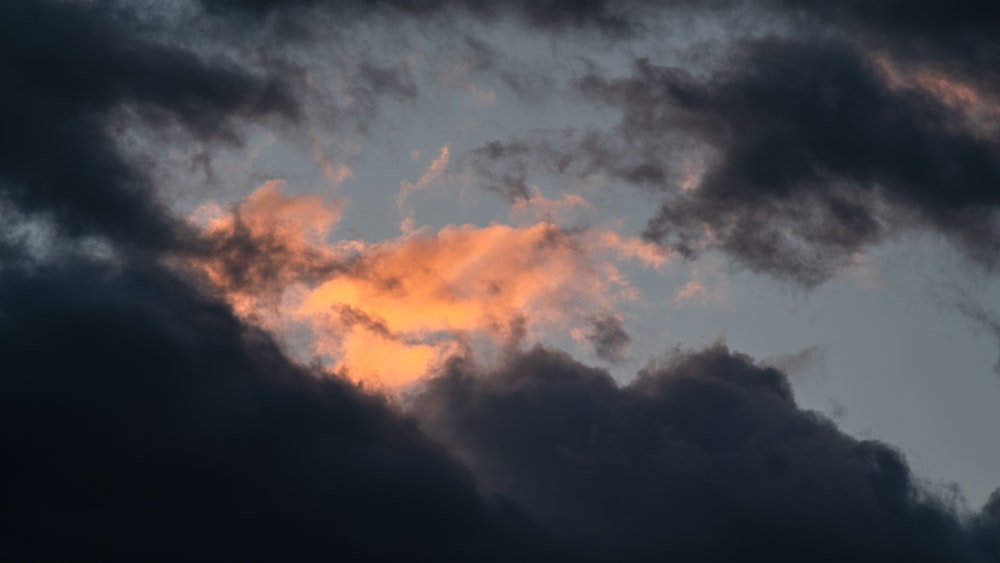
<point x="608" y="337"/>
<point x="812" y="158"/>
<point x="612" y="18"/>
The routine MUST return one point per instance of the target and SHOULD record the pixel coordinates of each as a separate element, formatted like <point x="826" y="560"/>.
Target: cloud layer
<point x="150" y="414"/>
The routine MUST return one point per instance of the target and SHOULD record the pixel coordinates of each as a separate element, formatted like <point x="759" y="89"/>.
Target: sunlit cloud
<point x="266" y="243"/>
<point x="388" y="312"/>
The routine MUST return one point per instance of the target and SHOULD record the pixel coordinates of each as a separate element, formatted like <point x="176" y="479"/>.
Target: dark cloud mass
<point x="66" y="68"/>
<point x="142" y="420"/>
<point x="703" y="458"/>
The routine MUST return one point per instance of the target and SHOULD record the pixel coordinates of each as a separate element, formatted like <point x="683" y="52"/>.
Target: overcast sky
<point x="480" y="280"/>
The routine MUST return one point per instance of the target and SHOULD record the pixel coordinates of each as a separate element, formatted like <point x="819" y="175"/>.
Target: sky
<point x="456" y="280"/>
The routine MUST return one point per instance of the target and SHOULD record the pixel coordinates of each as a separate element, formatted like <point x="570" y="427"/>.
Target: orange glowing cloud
<point x="431" y="289"/>
<point x="264" y="244"/>
<point x="389" y="312"/>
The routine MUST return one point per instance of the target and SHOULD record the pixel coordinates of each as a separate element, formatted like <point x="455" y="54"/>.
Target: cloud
<point x="814" y="157"/>
<point x="255" y="250"/>
<point x="694" y="291"/>
<point x="389" y="312"/>
<point x="608" y="337"/>
<point x="142" y="421"/>
<point x="974" y="309"/>
<point x="147" y="418"/>
<point x="611" y="18"/>
<point x="542" y="208"/>
<point x="504" y="166"/>
<point x="59" y="158"/>
<point x="800" y="364"/>
<point x="986" y="319"/>
<point x="960" y="35"/>
<point x="436" y="169"/>
<point x="794" y="150"/>
<point x="705" y="456"/>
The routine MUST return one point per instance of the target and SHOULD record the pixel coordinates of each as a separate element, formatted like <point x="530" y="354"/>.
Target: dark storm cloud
<point x="704" y="458"/>
<point x="812" y="157"/>
<point x="608" y="337"/>
<point x="66" y="67"/>
<point x="141" y="421"/>
<point x="965" y="34"/>
<point x="986" y="527"/>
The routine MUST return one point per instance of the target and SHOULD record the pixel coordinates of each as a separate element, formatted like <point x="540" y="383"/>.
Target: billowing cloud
<point x="144" y="422"/>
<point x="704" y="456"/>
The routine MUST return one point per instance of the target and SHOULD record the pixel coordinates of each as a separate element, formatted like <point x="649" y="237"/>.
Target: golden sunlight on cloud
<point x="388" y="312"/>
